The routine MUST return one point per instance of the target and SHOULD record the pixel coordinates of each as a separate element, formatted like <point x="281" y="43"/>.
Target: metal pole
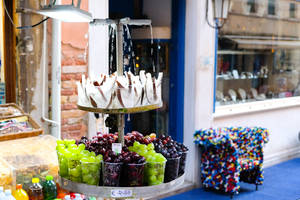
<point x="120" y="63"/>
<point x="121" y="126"/>
<point x="56" y="76"/>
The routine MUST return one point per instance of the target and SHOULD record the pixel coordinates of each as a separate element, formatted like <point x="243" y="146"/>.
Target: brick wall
<point x="74" y="64"/>
<point x="74" y="121"/>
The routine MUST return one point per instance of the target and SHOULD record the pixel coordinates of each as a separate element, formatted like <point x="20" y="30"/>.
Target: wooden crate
<point x="37" y="130"/>
<point x="15" y="106"/>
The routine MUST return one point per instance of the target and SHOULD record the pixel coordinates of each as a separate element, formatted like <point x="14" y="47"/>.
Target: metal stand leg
<point x="231" y="196"/>
<point x="256" y="187"/>
<point x="121" y="126"/>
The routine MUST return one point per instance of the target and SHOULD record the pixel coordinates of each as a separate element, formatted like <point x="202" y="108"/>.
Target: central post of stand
<point x="119" y="54"/>
<point x="120" y="65"/>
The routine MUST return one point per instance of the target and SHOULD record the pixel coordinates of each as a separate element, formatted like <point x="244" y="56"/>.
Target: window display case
<point x="257" y="57"/>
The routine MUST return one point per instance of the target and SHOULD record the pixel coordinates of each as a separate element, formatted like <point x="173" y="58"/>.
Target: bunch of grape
<point x="90" y="166"/>
<point x="63" y="154"/>
<point x="100" y="144"/>
<point x="132" y="158"/>
<point x="169" y="147"/>
<point x="71" y="159"/>
<point x="130" y="138"/>
<point x="175" y="153"/>
<point x="155" y="167"/>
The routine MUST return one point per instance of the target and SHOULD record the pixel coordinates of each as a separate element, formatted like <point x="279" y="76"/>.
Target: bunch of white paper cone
<point x="112" y="91"/>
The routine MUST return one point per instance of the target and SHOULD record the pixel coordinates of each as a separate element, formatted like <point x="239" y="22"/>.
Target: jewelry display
<point x="243" y="75"/>
<point x="249" y="75"/>
<point x="242" y="93"/>
<point x="264" y="72"/>
<point x="232" y="94"/>
<point x="235" y="74"/>
<point x="219" y="96"/>
<point x="253" y="93"/>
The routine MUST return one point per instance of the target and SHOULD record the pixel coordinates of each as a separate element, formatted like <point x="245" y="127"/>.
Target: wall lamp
<point x="66" y="13"/>
<point x="220" y="12"/>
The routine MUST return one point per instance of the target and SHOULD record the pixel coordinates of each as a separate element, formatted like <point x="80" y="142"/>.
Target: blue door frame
<point x="176" y="109"/>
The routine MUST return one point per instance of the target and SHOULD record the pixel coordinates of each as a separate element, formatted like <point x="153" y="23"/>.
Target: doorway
<point x="165" y="54"/>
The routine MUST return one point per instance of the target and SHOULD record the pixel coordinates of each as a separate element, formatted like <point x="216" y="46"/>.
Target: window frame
<point x="256" y="107"/>
<point x="294" y="11"/>
<point x="273" y="4"/>
<point x="253" y="5"/>
<point x="9" y="54"/>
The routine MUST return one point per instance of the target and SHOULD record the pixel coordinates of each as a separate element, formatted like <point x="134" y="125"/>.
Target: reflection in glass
<point x="258" y="55"/>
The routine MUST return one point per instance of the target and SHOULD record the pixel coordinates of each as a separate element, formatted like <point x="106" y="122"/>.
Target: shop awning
<point x="263" y="42"/>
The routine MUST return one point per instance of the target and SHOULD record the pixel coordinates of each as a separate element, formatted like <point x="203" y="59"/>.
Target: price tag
<point x="117" y="147"/>
<point x="121" y="193"/>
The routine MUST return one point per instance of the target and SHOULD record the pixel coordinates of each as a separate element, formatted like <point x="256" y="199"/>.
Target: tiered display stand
<point x="121" y="192"/>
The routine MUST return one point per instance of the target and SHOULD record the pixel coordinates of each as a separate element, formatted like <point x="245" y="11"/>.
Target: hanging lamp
<point x="66" y="13"/>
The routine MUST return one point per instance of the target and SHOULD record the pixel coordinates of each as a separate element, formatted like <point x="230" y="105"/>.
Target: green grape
<point x="69" y="142"/>
<point x="150" y="158"/>
<point x="85" y="159"/>
<point x="99" y="158"/>
<point x="87" y="178"/>
<point x="151" y="152"/>
<point x="92" y="159"/>
<point x="92" y="154"/>
<point x="151" y="171"/>
<point x="136" y="144"/>
<point x="85" y="170"/>
<point x="72" y="164"/>
<point x="72" y="146"/>
<point x="160" y="158"/>
<point x="76" y="172"/>
<point x="143" y="152"/>
<point x="94" y="167"/>
<point x="58" y="142"/>
<point x="143" y="147"/>
<point x="161" y="177"/>
<point x="152" y="178"/>
<point x="67" y="154"/>
<point x="85" y="153"/>
<point x="156" y="182"/>
<point x="60" y="147"/>
<point x="150" y="146"/>
<point x="161" y="170"/>
<point x="81" y="147"/>
<point x="131" y="148"/>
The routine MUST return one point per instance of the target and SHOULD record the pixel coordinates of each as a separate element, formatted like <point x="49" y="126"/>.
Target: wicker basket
<point x="36" y="129"/>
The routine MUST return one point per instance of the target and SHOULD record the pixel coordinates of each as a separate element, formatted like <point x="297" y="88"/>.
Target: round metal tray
<point x="127" y="192"/>
<point x="120" y="110"/>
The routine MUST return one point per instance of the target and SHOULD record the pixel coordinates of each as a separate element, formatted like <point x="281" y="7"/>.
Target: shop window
<point x="252" y="6"/>
<point x="271" y="7"/>
<point x="292" y="10"/>
<point x="256" y="63"/>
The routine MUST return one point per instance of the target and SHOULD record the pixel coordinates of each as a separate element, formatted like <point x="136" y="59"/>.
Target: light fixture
<point x="66" y="13"/>
<point x="220" y="12"/>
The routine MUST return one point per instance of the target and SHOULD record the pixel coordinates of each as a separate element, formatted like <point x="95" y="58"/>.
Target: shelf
<point x="132" y="192"/>
<point x="120" y="110"/>
<point x="236" y="79"/>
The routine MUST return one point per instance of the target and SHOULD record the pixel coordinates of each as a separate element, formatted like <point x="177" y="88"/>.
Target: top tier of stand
<point x="120" y="110"/>
<point x="120" y="62"/>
